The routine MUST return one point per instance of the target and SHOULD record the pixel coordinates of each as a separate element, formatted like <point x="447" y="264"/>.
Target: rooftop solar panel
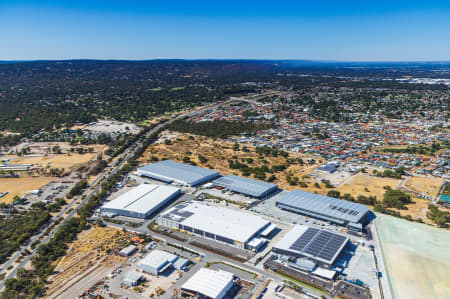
<point x="319" y="244"/>
<point x="301" y="242"/>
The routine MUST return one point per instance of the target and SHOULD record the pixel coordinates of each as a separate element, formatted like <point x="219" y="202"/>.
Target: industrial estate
<point x="276" y="186"/>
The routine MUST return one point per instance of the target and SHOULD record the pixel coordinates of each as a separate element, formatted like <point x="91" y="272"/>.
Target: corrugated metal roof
<point x="228" y="223"/>
<point x="142" y="199"/>
<point x="211" y="283"/>
<point x="168" y="170"/>
<point x="157" y="259"/>
<point x="246" y="186"/>
<point x="324" y="205"/>
<point x="304" y="240"/>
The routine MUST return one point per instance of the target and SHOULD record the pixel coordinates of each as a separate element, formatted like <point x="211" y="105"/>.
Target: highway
<point x="94" y="187"/>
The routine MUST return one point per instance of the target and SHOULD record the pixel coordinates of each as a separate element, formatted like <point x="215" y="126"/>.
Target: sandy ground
<point x="45" y="147"/>
<point x="357" y="184"/>
<point x="21" y="186"/>
<point x="420" y="184"/>
<point x="417" y="258"/>
<point x="82" y="258"/>
<point x="66" y="161"/>
<point x="218" y="153"/>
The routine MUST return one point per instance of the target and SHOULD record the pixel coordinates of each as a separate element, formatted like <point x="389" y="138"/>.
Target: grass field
<point x="417" y="258"/>
<point x="21" y="186"/>
<point x="421" y="184"/>
<point x="219" y="152"/>
<point x="358" y="183"/>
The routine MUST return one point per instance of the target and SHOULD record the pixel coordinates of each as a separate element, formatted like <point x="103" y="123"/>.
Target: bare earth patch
<point x="21" y="186"/>
<point x="416" y="256"/>
<point x="94" y="250"/>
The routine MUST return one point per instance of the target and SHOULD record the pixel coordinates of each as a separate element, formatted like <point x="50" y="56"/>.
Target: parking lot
<point x="49" y="192"/>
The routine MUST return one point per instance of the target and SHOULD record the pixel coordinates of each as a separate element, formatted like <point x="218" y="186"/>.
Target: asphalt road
<point x="208" y="256"/>
<point x="105" y="175"/>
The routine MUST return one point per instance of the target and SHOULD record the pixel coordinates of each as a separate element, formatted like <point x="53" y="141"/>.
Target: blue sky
<point x="316" y="30"/>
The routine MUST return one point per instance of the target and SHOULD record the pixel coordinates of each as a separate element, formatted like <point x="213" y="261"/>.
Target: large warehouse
<point x="170" y="171"/>
<point x="232" y="227"/>
<point x="141" y="201"/>
<point x="331" y="209"/>
<point x="319" y="245"/>
<point x="208" y="283"/>
<point x="246" y="186"/>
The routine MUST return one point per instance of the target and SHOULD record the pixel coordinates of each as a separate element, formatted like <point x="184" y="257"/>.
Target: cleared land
<point x="416" y="256"/>
<point x="421" y="184"/>
<point x="21" y="186"/>
<point x="66" y="161"/>
<point x="94" y="251"/>
<point x="218" y="152"/>
<point x="358" y="183"/>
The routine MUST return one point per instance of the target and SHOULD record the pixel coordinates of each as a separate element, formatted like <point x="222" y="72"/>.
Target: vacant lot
<point x="218" y="152"/>
<point x="416" y="256"/>
<point x="21" y="186"/>
<point x="430" y="186"/>
<point x="95" y="250"/>
<point x="360" y="183"/>
<point x="66" y="161"/>
<point x="47" y="147"/>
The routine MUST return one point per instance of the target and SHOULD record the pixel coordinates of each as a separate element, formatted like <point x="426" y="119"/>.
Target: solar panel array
<point x="319" y="244"/>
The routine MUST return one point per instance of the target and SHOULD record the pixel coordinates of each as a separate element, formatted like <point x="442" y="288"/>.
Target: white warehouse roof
<point x="211" y="283"/>
<point x="141" y="201"/>
<point x="232" y="224"/>
<point x="245" y="186"/>
<point x="168" y="171"/>
<point x="157" y="259"/>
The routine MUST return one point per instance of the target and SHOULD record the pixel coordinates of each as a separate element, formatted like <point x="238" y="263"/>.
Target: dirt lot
<point x="218" y="153"/>
<point x="358" y="183"/>
<point x="416" y="256"/>
<point x="66" y="161"/>
<point x="21" y="186"/>
<point x="87" y="254"/>
<point x="46" y="147"/>
<point x="420" y="184"/>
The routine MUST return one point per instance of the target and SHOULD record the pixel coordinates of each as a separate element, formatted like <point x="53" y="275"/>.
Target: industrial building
<point x="321" y="246"/>
<point x="209" y="283"/>
<point x="246" y="186"/>
<point x="157" y="262"/>
<point x="132" y="279"/>
<point x="170" y="171"/>
<point x="141" y="201"/>
<point x="330" y="209"/>
<point x="231" y="227"/>
<point x="127" y="251"/>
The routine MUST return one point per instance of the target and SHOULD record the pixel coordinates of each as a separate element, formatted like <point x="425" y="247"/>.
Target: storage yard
<point x="87" y="257"/>
<point x="416" y="256"/>
<point x="21" y="186"/>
